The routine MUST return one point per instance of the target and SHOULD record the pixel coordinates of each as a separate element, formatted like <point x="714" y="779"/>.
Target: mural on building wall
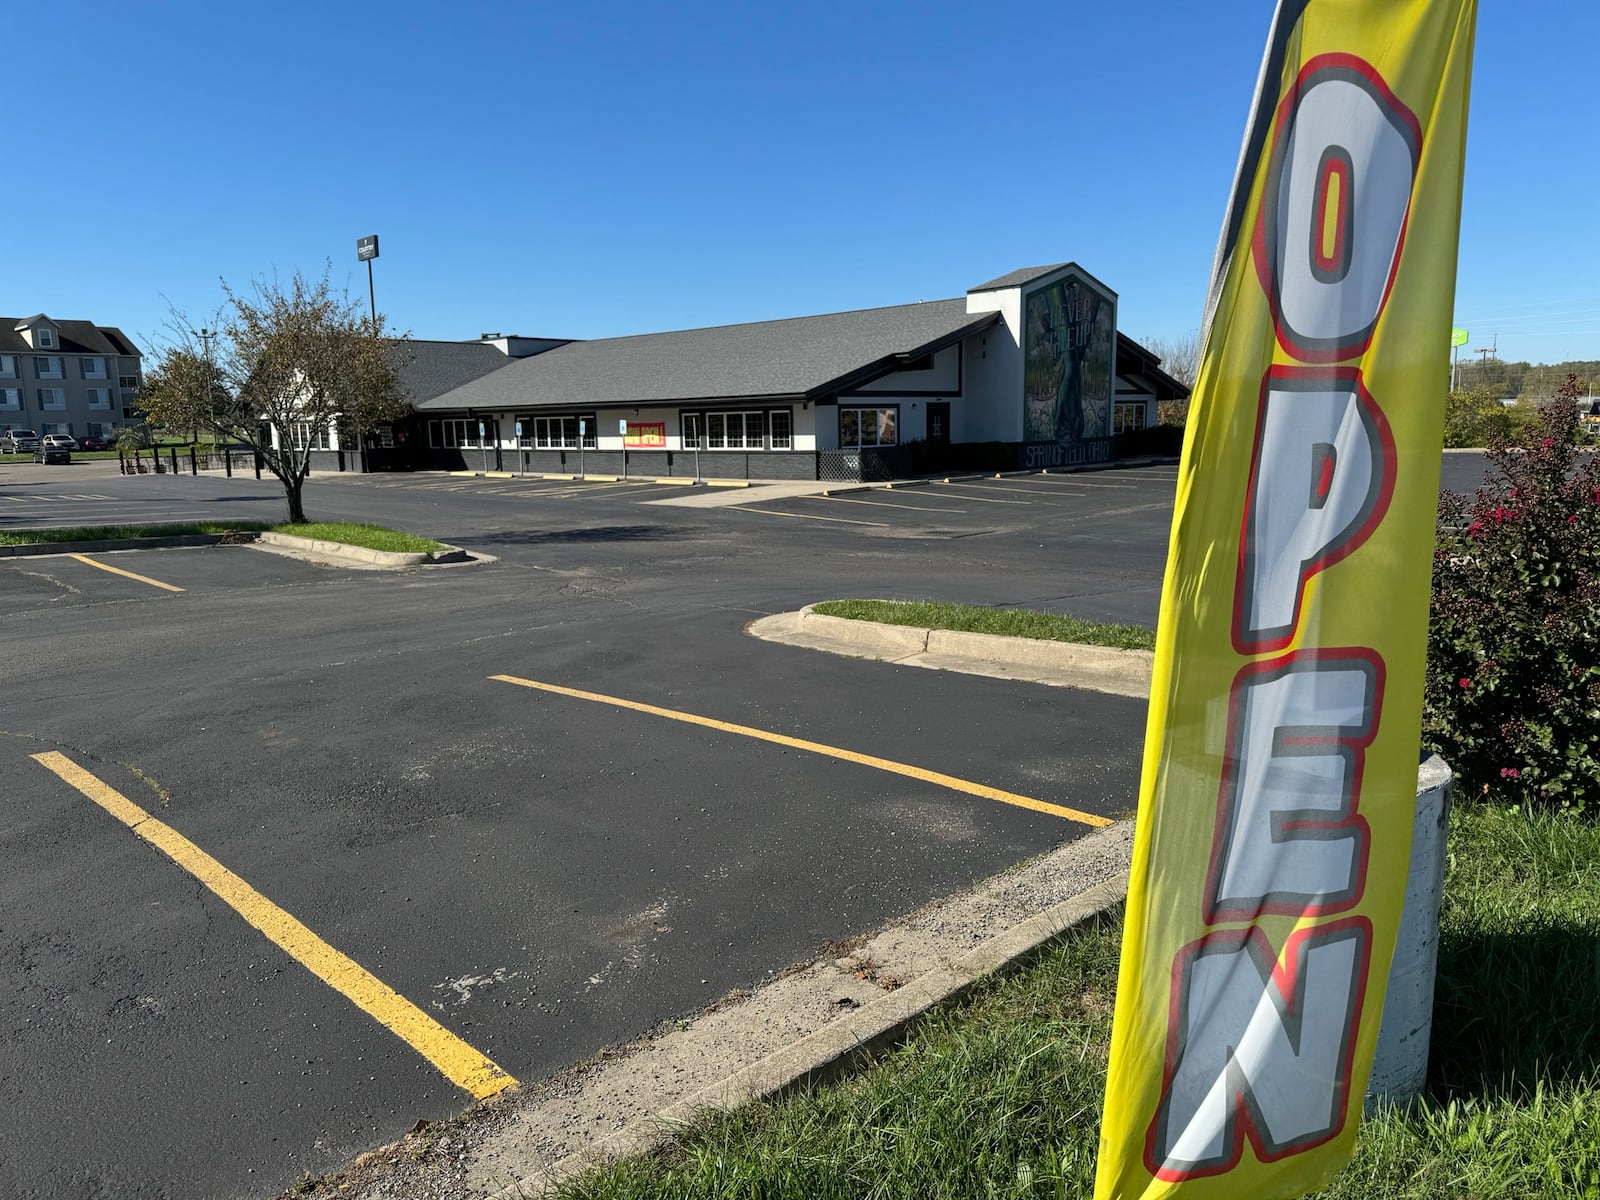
<point x="1070" y="333"/>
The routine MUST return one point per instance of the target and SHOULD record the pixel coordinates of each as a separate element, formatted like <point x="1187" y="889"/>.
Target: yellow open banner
<point x="1280" y="766"/>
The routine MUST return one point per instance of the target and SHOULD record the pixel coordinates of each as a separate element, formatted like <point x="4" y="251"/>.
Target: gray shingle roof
<point x="801" y="356"/>
<point x="77" y="337"/>
<point x="1017" y="278"/>
<point x="433" y="368"/>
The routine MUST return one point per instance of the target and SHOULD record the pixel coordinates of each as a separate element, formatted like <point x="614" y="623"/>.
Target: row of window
<point x="50" y="399"/>
<point x="302" y="435"/>
<point x="755" y="430"/>
<point x="764" y="430"/>
<point x="54" y="366"/>
<point x="99" y="429"/>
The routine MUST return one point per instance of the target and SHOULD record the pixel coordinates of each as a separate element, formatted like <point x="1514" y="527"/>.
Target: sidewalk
<point x="802" y="1024"/>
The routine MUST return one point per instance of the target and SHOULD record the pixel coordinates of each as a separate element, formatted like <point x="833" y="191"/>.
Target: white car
<point x="60" y="441"/>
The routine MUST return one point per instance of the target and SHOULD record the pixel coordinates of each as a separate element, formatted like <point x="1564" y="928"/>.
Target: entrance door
<point x="939" y="424"/>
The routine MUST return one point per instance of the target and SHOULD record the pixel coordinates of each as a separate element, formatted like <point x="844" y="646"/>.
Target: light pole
<point x="207" y="336"/>
<point x="366" y="251"/>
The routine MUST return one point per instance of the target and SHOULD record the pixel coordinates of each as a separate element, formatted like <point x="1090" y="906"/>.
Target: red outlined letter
<point x="1339" y="118"/>
<point x="1321" y="476"/>
<point x="1289" y="838"/>
<point x="1258" y="1050"/>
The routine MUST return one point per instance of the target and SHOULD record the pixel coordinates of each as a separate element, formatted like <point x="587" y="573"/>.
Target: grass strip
<point x="97" y="533"/>
<point x="998" y="1095"/>
<point x="373" y="537"/>
<point x="1008" y="622"/>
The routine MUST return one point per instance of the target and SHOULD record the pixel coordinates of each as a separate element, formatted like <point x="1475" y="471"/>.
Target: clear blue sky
<point x="594" y="170"/>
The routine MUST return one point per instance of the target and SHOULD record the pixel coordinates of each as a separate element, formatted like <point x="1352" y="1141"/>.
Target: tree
<point x="1180" y="358"/>
<point x="287" y="366"/>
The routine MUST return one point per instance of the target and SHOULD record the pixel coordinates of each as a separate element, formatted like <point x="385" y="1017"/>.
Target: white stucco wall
<point x="943" y="376"/>
<point x="990" y="409"/>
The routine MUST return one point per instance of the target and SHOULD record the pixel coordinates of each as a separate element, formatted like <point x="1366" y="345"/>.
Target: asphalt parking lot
<point x="296" y="856"/>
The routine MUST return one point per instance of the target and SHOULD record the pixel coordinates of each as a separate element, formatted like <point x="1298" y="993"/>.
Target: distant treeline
<point x="1527" y="381"/>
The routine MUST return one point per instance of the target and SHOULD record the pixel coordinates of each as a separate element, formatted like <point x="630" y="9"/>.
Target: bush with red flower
<point x="1512" y="696"/>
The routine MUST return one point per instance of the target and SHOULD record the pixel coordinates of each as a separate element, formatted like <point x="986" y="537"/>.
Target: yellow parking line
<point x="772" y="512"/>
<point x="126" y="574"/>
<point x="457" y="1061"/>
<point x="866" y="760"/>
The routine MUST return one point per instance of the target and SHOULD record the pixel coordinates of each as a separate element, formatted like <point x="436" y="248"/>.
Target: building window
<point x="51" y="399"/>
<point x="60" y="428"/>
<point x="46" y="338"/>
<point x="557" y="433"/>
<point x="99" y="429"/>
<point x="302" y="436"/>
<point x="93" y="368"/>
<point x="99" y="397"/>
<point x="779" y="431"/>
<point x="8" y="366"/>
<point x="1125" y="418"/>
<point x="128" y="383"/>
<point x="736" y="430"/>
<point x="48" y="366"/>
<point x="860" y="427"/>
<point x="455" y="434"/>
<point x="11" y="399"/>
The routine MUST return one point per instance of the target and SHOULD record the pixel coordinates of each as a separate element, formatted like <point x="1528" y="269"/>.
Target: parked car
<point x="52" y="454"/>
<point x="62" y="440"/>
<point x="93" y="443"/>
<point x="18" y="441"/>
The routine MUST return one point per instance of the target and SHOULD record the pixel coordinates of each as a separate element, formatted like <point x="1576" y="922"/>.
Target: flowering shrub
<point x="1512" y="696"/>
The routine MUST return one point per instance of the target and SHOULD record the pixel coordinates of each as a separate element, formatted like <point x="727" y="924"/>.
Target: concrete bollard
<point x="1400" y="1065"/>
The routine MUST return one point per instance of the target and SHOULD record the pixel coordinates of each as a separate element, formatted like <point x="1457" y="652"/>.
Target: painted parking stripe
<point x="885" y="504"/>
<point x="156" y="583"/>
<point x="866" y="760"/>
<point x="458" y="1062"/>
<point x="1076" y="479"/>
<point x="772" y="512"/>
<point x="1010" y="485"/>
<point x="980" y="499"/>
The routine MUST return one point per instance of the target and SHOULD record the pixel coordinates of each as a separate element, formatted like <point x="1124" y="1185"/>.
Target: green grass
<point x="999" y="1094"/>
<point x="1010" y="622"/>
<point x="93" y="533"/>
<point x="373" y="537"/>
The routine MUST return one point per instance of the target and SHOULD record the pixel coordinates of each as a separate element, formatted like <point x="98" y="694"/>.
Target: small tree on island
<point x="287" y="365"/>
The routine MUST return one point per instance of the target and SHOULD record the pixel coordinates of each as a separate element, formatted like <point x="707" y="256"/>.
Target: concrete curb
<point x="1059" y="664"/>
<point x="341" y="552"/>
